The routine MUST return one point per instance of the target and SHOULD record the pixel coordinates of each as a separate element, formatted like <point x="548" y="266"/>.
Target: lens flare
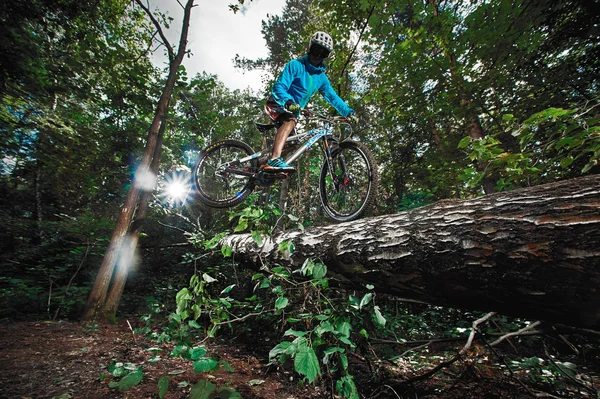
<point x="176" y="189"/>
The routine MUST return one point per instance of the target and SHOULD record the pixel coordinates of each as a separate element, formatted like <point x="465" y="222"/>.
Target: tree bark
<point x="128" y="250"/>
<point x="98" y="295"/>
<point x="531" y="253"/>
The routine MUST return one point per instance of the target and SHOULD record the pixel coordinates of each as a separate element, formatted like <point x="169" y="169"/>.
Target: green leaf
<point x="329" y="351"/>
<point x="227" y="289"/>
<point x="319" y="270"/>
<point x="227" y="366"/>
<point x="163" y="386"/>
<point x="323" y="327"/>
<point x="180" y="350"/>
<point x="344" y="360"/>
<point x="346" y="387"/>
<point x="202" y="390"/>
<point x="205" y="364"/>
<point x="279" y="349"/>
<point x="294" y="333"/>
<point x="281" y="303"/>
<point x="286" y="247"/>
<point x="347" y="341"/>
<point x="197" y="352"/>
<point x="464" y="142"/>
<point x="182" y="298"/>
<point x="194" y="324"/>
<point x="344" y="329"/>
<point x="257" y="237"/>
<point x="265" y="283"/>
<point x="242" y="225"/>
<point x="228" y="393"/>
<point x="307" y="364"/>
<point x="226" y="250"/>
<point x="379" y="319"/>
<point x="566" y="162"/>
<point x="365" y="300"/>
<point x="131" y="380"/>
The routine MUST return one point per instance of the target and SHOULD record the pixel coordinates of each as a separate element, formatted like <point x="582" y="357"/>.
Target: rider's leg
<point x="282" y="134"/>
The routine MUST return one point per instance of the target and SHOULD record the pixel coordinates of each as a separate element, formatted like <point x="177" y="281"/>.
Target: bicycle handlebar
<point x="335" y="119"/>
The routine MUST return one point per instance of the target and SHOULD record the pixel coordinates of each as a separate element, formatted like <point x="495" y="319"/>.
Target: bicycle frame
<point x="310" y="137"/>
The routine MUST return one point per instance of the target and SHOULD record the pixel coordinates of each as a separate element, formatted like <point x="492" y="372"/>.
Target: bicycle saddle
<point x="263" y="127"/>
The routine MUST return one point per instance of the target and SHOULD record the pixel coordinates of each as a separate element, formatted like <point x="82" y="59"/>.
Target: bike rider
<point x="300" y="79"/>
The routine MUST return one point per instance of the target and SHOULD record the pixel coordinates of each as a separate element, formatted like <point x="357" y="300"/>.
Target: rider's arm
<point x="282" y="85"/>
<point x="335" y="100"/>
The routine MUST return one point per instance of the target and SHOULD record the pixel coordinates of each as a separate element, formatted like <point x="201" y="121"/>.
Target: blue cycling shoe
<point x="278" y="165"/>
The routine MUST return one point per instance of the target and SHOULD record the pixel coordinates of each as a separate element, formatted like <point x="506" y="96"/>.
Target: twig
<point x="433" y="370"/>
<point x="357" y="43"/>
<point x="512" y="334"/>
<point x="380" y="389"/>
<point x="576" y="330"/>
<point x="476" y="323"/>
<point x="586" y="111"/>
<point x="414" y="349"/>
<point x="419" y="341"/>
<point x="508" y="340"/>
<point x="158" y="29"/>
<point x="132" y="332"/>
<point x="241" y="318"/>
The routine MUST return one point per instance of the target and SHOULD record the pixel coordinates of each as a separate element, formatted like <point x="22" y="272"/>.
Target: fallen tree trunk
<point x="531" y="253"/>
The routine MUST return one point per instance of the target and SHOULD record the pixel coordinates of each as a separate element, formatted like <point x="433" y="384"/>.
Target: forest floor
<point x="65" y="360"/>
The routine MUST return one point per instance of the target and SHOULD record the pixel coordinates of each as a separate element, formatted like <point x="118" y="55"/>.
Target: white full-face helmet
<point x="321" y="44"/>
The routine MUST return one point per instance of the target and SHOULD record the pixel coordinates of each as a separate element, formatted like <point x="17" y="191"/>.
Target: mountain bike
<point x="229" y="170"/>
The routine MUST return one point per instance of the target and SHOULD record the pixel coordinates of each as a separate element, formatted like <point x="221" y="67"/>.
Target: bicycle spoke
<point x="347" y="191"/>
<point x="218" y="186"/>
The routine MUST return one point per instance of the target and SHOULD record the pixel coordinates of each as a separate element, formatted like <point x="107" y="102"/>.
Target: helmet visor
<point x="319" y="51"/>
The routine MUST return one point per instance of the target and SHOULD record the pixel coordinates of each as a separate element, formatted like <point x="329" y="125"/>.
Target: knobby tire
<point x="217" y="187"/>
<point x="351" y="190"/>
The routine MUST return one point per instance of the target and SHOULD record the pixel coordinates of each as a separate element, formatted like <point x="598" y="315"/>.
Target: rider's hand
<point x="293" y="107"/>
<point x="353" y="118"/>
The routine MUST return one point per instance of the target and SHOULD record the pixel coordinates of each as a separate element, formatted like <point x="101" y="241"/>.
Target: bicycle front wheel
<point x="348" y="185"/>
<point x="221" y="179"/>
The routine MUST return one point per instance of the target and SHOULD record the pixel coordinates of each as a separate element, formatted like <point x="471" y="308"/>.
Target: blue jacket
<point x="300" y="80"/>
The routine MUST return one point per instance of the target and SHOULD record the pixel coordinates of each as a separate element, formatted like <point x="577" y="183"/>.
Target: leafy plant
<point x="323" y="344"/>
<point x="539" y="370"/>
<point x="554" y="142"/>
<point x="125" y="375"/>
<point x="207" y="390"/>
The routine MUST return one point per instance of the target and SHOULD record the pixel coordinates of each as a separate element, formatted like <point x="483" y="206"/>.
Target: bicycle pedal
<point x="274" y="171"/>
<point x="277" y="175"/>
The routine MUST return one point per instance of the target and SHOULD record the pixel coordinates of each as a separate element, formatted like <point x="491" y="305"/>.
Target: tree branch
<point x="476" y="323"/>
<point x="518" y="332"/>
<point x="158" y="29"/>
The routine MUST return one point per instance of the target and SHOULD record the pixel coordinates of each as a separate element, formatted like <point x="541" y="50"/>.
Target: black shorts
<point x="277" y="113"/>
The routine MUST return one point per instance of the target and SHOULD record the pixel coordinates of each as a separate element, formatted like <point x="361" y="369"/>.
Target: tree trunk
<point x="531" y="253"/>
<point x="97" y="298"/>
<point x="128" y="250"/>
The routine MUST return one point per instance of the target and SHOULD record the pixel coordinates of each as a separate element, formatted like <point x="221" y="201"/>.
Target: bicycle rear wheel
<point x="348" y="186"/>
<point x="221" y="179"/>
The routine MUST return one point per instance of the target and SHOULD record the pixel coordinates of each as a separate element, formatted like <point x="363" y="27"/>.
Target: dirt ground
<point x="47" y="360"/>
<point x="63" y="360"/>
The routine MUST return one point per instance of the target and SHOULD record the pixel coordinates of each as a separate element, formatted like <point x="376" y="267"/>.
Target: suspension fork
<point x="327" y="148"/>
